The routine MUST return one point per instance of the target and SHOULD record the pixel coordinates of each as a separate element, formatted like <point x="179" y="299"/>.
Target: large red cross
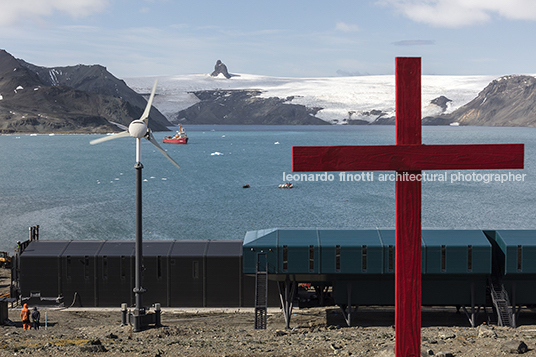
<point x="408" y="156"/>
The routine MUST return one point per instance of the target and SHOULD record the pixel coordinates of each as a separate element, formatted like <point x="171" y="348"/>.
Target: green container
<point x="519" y="249"/>
<point x="455" y="252"/>
<point x="351" y="252"/>
<point x="262" y="242"/>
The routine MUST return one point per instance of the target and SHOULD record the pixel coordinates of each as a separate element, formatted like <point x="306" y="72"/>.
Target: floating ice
<point x="217" y="153"/>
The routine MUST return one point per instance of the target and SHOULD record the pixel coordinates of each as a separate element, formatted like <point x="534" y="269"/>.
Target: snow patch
<point x="54" y="76"/>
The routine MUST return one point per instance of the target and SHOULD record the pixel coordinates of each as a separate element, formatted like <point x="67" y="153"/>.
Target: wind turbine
<point x="139" y="129"/>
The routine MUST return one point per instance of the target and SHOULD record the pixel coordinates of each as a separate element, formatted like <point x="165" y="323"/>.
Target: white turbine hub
<point x="137" y="129"/>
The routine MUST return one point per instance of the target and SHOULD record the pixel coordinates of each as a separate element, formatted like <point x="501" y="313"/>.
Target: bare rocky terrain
<point x="74" y="99"/>
<point x="230" y="332"/>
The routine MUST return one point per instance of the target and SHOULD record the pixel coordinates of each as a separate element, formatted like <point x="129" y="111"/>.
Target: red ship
<point x="179" y="138"/>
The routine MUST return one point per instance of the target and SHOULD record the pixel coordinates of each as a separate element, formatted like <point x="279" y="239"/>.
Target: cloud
<point x="414" y="43"/>
<point x="15" y="12"/>
<point x="460" y="13"/>
<point x="344" y="27"/>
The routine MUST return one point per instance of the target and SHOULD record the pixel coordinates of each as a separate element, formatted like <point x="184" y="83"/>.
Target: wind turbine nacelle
<point x="137" y="129"/>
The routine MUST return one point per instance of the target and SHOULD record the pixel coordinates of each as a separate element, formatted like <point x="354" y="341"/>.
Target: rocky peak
<point x="220" y="68"/>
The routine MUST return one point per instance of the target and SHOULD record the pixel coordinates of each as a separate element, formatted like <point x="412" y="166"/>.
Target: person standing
<point x="36" y="315"/>
<point x="25" y="317"/>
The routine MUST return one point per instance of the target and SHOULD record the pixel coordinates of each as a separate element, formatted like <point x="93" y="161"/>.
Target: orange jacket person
<point x="25" y="317"/>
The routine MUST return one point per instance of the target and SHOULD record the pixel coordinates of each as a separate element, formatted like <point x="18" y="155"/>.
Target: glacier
<point x="340" y="97"/>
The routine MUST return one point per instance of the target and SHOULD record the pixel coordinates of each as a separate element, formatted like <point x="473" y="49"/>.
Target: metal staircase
<point x="501" y="303"/>
<point x="261" y="292"/>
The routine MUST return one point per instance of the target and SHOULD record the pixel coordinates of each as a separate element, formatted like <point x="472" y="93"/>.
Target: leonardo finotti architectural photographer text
<point x="446" y="176"/>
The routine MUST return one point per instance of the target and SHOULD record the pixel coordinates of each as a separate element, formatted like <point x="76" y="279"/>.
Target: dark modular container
<point x="40" y="269"/>
<point x="224" y="274"/>
<point x="156" y="271"/>
<point x="79" y="276"/>
<point x="175" y="273"/>
<point x="116" y="273"/>
<point x="187" y="273"/>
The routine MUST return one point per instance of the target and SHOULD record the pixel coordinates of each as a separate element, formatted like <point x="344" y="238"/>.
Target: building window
<point x="391" y="258"/>
<point x="470" y="258"/>
<point x="68" y="267"/>
<point x="195" y="269"/>
<point x="123" y="268"/>
<point x="311" y="257"/>
<point x="285" y="257"/>
<point x="159" y="267"/>
<point x="443" y="258"/>
<point x="364" y="258"/>
<point x="519" y="257"/>
<point x="86" y="267"/>
<point x="338" y="258"/>
<point x="105" y="267"/>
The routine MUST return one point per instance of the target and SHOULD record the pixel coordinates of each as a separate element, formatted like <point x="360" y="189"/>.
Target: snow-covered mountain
<point x="341" y="98"/>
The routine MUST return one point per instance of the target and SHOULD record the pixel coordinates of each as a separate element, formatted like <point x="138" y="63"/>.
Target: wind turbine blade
<point x="145" y="115"/>
<point x="153" y="141"/>
<point x="110" y="137"/>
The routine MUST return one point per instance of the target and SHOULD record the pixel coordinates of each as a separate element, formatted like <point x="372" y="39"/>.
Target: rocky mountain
<point x="82" y="99"/>
<point x="506" y="101"/>
<point x="220" y="68"/>
<point x="245" y="107"/>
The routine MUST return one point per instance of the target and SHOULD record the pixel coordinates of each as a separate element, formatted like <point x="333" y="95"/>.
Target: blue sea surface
<point x="77" y="191"/>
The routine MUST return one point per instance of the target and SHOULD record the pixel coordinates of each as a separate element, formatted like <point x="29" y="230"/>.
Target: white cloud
<point x="459" y="13"/>
<point x="344" y="27"/>
<point x="19" y="11"/>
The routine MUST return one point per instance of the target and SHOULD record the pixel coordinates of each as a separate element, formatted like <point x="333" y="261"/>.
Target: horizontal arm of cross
<point x="407" y="157"/>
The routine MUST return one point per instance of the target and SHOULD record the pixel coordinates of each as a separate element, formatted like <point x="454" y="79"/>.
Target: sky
<point x="290" y="38"/>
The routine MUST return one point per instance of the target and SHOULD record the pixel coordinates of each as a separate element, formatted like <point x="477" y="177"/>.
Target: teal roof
<point x="294" y="237"/>
<point x="517" y="237"/>
<point x="350" y="238"/>
<point x="370" y="251"/>
<point x="453" y="238"/>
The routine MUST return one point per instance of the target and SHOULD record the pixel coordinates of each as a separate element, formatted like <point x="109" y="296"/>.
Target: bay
<point x="78" y="191"/>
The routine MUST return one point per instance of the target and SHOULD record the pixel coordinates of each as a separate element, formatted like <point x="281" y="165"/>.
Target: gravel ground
<point x="230" y="332"/>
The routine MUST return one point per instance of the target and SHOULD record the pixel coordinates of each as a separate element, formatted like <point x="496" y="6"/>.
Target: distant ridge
<point x="75" y="99"/>
<point x="363" y="100"/>
<point x="506" y="101"/>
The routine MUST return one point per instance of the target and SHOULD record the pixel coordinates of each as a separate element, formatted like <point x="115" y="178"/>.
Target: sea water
<point x="77" y="191"/>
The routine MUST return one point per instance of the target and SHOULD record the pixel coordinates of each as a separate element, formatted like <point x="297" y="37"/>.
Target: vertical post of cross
<point x="408" y="213"/>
